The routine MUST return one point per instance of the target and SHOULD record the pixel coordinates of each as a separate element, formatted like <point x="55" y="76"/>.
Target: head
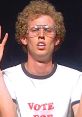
<point x="34" y="10"/>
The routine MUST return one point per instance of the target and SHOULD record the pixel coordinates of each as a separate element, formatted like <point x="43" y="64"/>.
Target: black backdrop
<point x="70" y="53"/>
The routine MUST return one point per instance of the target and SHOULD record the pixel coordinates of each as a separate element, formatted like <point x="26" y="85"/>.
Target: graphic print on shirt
<point x="42" y="110"/>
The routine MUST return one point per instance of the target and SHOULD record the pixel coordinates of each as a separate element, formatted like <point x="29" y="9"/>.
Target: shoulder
<point x="68" y="73"/>
<point x="12" y="70"/>
<point x="67" y="69"/>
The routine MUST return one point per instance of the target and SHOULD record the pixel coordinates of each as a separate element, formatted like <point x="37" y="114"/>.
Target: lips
<point x="41" y="45"/>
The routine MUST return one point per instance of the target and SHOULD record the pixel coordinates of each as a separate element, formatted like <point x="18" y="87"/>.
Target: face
<point x="41" y="38"/>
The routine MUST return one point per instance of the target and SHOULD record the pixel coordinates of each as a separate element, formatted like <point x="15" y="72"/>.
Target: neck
<point x="39" y="68"/>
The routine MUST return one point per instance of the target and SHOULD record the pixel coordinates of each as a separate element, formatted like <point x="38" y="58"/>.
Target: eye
<point x="48" y="29"/>
<point x="34" y="29"/>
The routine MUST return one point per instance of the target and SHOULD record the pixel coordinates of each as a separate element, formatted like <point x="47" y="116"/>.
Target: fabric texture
<point x="44" y="96"/>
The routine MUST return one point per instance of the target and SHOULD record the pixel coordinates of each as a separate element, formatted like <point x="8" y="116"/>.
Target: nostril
<point x="41" y="37"/>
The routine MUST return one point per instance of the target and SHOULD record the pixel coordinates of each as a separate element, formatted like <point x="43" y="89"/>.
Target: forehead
<point x="42" y="20"/>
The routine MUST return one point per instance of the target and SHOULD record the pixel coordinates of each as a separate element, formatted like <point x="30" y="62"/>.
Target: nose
<point x="41" y="34"/>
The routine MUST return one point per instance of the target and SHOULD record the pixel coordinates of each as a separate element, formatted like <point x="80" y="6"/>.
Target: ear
<point x="57" y="42"/>
<point x="24" y="41"/>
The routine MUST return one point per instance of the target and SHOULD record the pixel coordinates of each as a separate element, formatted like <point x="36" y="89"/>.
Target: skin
<point x="39" y="57"/>
<point x="2" y="45"/>
<point x="79" y="112"/>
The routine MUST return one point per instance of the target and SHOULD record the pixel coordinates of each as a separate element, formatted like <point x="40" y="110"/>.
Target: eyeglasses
<point x="49" y="31"/>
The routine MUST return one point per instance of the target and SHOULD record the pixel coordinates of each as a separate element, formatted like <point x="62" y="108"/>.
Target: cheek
<point x="55" y="42"/>
<point x="32" y="43"/>
<point x="51" y="42"/>
<point x="50" y="45"/>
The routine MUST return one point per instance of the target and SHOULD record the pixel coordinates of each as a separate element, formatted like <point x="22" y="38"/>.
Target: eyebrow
<point x="42" y="26"/>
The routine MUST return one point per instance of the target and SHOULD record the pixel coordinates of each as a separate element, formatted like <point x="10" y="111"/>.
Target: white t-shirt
<point x="44" y="96"/>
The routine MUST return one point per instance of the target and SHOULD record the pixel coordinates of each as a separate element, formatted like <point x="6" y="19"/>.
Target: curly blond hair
<point x="35" y="9"/>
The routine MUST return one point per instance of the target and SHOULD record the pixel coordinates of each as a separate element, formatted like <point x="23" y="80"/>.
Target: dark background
<point x="70" y="53"/>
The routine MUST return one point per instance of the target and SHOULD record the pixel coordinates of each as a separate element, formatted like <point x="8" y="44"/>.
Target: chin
<point x="43" y="59"/>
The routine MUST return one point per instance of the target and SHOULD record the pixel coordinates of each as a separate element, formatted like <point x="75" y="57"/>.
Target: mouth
<point x="41" y="45"/>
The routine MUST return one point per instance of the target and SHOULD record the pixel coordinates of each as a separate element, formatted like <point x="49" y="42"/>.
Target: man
<point x="39" y="87"/>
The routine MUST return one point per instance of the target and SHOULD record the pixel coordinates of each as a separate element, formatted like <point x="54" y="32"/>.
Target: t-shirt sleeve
<point x="77" y="91"/>
<point x="9" y="85"/>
